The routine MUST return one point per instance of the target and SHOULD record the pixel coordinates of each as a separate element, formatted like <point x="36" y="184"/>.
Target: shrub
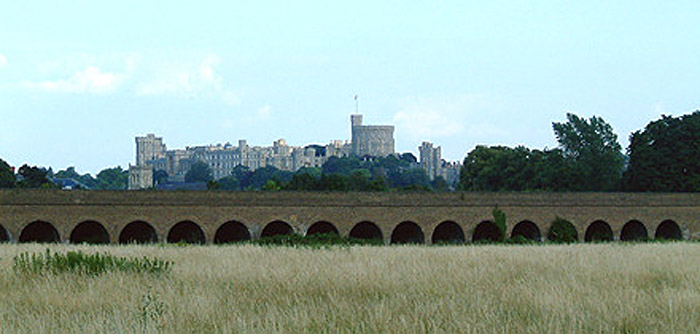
<point x="562" y="231"/>
<point x="499" y="218"/>
<point x="86" y="264"/>
<point x="520" y="240"/>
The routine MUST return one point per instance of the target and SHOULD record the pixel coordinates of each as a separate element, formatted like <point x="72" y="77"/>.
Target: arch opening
<point x="186" y="231"/>
<point x="526" y="229"/>
<point x="407" y="232"/>
<point x="4" y="236"/>
<point x="90" y="232"/>
<point x="598" y="231"/>
<point x="448" y="232"/>
<point x="668" y="230"/>
<point x="230" y="232"/>
<point x="276" y="227"/>
<point x="366" y="230"/>
<point x="139" y="232"/>
<point x="633" y="230"/>
<point x="487" y="231"/>
<point x="322" y="227"/>
<point x="39" y="231"/>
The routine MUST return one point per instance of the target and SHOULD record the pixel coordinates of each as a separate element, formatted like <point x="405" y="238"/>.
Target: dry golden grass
<point x="612" y="288"/>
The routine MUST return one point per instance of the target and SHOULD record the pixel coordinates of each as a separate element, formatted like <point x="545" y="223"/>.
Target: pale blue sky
<point x="79" y="80"/>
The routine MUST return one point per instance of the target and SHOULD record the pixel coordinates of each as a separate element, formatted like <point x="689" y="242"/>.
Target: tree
<point x="229" y="183"/>
<point x="664" y="156"/>
<point x="113" y="178"/>
<point x="359" y="180"/>
<point x="70" y="173"/>
<point x="7" y="177"/>
<point x="34" y="177"/>
<point x="591" y="148"/>
<point x="243" y="175"/>
<point x="271" y="185"/>
<point x="333" y="182"/>
<point x="199" y="172"/>
<point x="302" y="181"/>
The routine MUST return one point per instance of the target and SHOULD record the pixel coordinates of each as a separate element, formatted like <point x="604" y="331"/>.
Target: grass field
<point x="603" y="288"/>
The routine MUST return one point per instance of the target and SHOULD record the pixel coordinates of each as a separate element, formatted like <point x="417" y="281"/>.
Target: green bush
<point x="562" y="231"/>
<point x="86" y="264"/>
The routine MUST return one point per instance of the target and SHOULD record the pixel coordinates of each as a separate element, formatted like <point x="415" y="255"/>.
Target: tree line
<point x="114" y="178"/>
<point x="337" y="174"/>
<point x="662" y="157"/>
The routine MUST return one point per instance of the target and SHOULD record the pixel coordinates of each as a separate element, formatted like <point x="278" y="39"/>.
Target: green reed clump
<point x="86" y="264"/>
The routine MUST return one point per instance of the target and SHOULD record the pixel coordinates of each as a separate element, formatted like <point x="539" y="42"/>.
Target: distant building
<point x="372" y="140"/>
<point x="367" y="140"/>
<point x="433" y="164"/>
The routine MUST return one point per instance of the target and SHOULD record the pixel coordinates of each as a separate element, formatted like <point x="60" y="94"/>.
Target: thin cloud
<point x="3" y="60"/>
<point x="91" y="80"/>
<point x="437" y="117"/>
<point x="185" y="79"/>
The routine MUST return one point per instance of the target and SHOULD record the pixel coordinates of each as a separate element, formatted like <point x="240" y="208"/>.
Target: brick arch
<point x="669" y="230"/>
<point x="487" y="231"/>
<point x="366" y="230"/>
<point x="598" y="230"/>
<point x="138" y="231"/>
<point x="89" y="231"/>
<point x="407" y="232"/>
<point x="232" y="231"/>
<point x="4" y="235"/>
<point x="448" y="232"/>
<point x="186" y="231"/>
<point x="633" y="230"/>
<point x="277" y="227"/>
<point x="39" y="231"/>
<point x="322" y="227"/>
<point x="527" y="229"/>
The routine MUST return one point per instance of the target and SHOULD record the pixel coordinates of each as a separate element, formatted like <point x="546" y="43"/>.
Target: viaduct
<point x="219" y="217"/>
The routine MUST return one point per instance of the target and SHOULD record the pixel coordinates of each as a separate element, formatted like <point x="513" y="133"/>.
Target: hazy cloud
<point x="264" y="112"/>
<point x="3" y="60"/>
<point x="91" y="80"/>
<point x="435" y="117"/>
<point x="185" y="79"/>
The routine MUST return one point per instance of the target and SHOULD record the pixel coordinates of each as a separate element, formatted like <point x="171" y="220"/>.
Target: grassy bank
<point x="509" y="289"/>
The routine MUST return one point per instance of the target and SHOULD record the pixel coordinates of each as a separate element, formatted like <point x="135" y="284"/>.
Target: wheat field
<point x="601" y="288"/>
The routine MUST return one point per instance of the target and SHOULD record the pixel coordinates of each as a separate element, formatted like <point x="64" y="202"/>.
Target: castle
<point x="367" y="140"/>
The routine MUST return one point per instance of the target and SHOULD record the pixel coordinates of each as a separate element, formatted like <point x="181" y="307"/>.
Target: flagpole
<point x="356" y="105"/>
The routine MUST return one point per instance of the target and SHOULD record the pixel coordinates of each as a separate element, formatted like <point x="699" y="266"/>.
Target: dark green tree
<point x="333" y="182"/>
<point x="664" y="156"/>
<point x="243" y="175"/>
<point x="229" y="183"/>
<point x="113" y="178"/>
<point x="34" y="177"/>
<point x="71" y="173"/>
<point x="199" y="172"/>
<point x="591" y="148"/>
<point x="359" y="180"/>
<point x="7" y="177"/>
<point x="302" y="182"/>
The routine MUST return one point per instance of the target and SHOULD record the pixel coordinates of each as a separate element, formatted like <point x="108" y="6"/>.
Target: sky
<point x="80" y="79"/>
